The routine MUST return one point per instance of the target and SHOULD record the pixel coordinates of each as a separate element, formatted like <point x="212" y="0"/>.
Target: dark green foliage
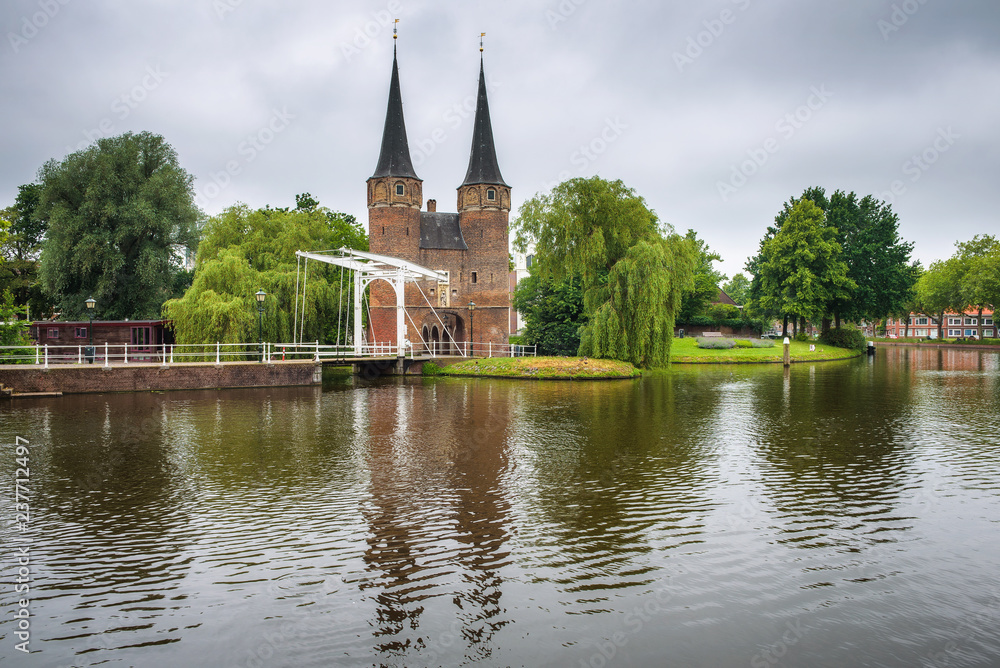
<point x="802" y="336"/>
<point x="738" y="288"/>
<point x="13" y="332"/>
<point x="116" y="212"/>
<point x="553" y="314"/>
<point x="20" y="249"/>
<point x="706" y="280"/>
<point x="699" y="321"/>
<point x="431" y="369"/>
<point x="844" y="337"/>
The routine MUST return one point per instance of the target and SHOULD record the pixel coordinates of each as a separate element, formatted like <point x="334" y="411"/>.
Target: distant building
<point x="956" y="326"/>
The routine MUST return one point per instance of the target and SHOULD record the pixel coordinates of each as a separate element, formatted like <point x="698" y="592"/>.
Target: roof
<point x="394" y="159"/>
<point x="483" y="167"/>
<point x="441" y="231"/>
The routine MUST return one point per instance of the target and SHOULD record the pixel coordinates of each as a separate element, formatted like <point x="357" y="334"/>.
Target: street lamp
<point x="472" y="338"/>
<point x="91" y="303"/>
<point x="260" y="296"/>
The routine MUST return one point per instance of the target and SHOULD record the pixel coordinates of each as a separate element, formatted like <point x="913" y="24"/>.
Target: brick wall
<point x="72" y="379"/>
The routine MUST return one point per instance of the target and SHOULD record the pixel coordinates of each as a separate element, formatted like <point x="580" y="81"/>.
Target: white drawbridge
<point x="368" y="267"/>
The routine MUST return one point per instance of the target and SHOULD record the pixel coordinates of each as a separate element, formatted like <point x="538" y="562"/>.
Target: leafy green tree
<point x="978" y="283"/>
<point x="13" y="328"/>
<point x="553" y="313"/>
<point x="632" y="273"/>
<point x="706" y="279"/>
<point x="243" y="251"/>
<point x="115" y="211"/>
<point x="738" y="288"/>
<point x="21" y="247"/>
<point x="938" y="291"/>
<point x="800" y="270"/>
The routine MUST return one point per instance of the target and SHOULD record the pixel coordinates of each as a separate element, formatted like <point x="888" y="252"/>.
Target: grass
<point x="553" y="368"/>
<point x="686" y="351"/>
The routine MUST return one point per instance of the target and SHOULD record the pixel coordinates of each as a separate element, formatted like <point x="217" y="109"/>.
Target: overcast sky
<point x="716" y="112"/>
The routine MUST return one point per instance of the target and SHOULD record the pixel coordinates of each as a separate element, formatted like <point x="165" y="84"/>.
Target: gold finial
<point x="481" y="36"/>
<point x="394" y="28"/>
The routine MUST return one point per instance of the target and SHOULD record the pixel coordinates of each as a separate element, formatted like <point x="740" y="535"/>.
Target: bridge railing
<point x="107" y="354"/>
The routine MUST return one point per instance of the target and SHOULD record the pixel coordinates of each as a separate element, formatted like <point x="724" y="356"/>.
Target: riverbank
<point x="954" y="345"/>
<point x="686" y="351"/>
<point x="541" y="368"/>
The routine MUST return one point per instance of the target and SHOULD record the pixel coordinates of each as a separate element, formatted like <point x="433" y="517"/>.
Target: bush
<point x="843" y="337"/>
<point x="762" y="343"/>
<point x="431" y="369"/>
<point x="700" y="321"/>
<point x="802" y="336"/>
<point x="515" y="340"/>
<point x="742" y="343"/>
<point x="712" y="343"/>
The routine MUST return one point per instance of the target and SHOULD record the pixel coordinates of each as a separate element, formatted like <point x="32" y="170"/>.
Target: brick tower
<point x="471" y="245"/>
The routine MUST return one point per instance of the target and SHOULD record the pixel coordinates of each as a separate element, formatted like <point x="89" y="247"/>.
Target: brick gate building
<point x="470" y="245"/>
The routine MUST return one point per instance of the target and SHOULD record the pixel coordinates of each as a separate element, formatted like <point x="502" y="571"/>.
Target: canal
<point x="835" y="514"/>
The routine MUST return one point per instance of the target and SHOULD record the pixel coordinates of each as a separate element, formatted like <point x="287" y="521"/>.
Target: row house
<point x="956" y="326"/>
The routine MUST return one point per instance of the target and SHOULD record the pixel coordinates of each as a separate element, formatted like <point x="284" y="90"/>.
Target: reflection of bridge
<point x="368" y="268"/>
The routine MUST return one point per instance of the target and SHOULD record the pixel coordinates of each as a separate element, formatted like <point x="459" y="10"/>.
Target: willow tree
<point x="243" y="251"/>
<point x="633" y="273"/>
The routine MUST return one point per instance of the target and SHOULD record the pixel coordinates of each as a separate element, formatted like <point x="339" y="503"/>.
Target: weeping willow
<point x="634" y="273"/>
<point x="243" y="251"/>
<point x="634" y="309"/>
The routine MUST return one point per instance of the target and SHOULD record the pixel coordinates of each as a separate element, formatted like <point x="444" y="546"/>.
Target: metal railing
<point x="106" y="354"/>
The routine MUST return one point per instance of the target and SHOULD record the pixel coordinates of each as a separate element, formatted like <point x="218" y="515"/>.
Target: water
<point x="837" y="514"/>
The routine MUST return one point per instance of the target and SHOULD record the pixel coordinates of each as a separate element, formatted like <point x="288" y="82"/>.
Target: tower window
<point x="407" y="231"/>
<point x="399" y="189"/>
<point x="491" y="194"/>
<point x="383" y="230"/>
<point x="474" y="277"/>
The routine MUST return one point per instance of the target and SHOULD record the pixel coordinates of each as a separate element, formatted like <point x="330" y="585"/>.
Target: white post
<point x="358" y="290"/>
<point x="105" y="353"/>
<point x="317" y="352"/>
<point x="491" y="349"/>
<point x="125" y="355"/>
<point x="79" y="356"/>
<point x="46" y="356"/>
<point x="171" y="354"/>
<point x="217" y="360"/>
<point x="38" y="354"/>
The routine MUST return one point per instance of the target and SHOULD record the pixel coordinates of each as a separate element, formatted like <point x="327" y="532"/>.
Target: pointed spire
<point x="394" y="160"/>
<point x="483" y="167"/>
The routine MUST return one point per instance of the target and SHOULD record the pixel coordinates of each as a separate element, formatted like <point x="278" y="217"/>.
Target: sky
<point x="715" y="112"/>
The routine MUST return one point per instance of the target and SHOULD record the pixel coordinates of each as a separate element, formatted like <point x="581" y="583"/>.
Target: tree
<point x="977" y="284"/>
<point x="738" y="288"/>
<point x="116" y="211"/>
<point x="938" y="291"/>
<point x="632" y="273"/>
<point x="13" y="330"/>
<point x="799" y="269"/>
<point x="706" y="279"/>
<point x="243" y="251"/>
<point x="20" y="249"/>
<point x="553" y="313"/>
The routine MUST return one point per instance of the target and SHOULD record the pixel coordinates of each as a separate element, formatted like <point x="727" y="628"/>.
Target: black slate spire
<point x="394" y="160"/>
<point x="483" y="166"/>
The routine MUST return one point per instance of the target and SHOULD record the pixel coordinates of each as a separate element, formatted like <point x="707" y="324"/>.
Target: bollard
<point x="871" y="349"/>
<point x="786" y="357"/>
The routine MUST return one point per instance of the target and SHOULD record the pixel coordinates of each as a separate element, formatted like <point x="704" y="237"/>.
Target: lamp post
<point x="472" y="338"/>
<point x="260" y="297"/>
<point x="91" y="303"/>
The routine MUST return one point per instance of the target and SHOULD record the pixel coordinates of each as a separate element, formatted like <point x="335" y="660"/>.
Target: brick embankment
<point x="74" y="379"/>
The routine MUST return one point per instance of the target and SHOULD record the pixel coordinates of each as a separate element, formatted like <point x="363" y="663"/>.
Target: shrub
<point x="843" y="337"/>
<point x="516" y="340"/>
<point x="431" y="369"/>
<point x="700" y="321"/>
<point x="712" y="343"/>
<point x="762" y="343"/>
<point x="743" y="343"/>
<point x="801" y="336"/>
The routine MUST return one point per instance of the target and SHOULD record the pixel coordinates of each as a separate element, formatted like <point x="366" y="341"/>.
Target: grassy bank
<point x="555" y="368"/>
<point x="686" y="351"/>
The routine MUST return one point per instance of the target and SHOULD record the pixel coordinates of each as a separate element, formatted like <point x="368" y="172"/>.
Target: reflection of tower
<point x="438" y="518"/>
<point x="471" y="245"/>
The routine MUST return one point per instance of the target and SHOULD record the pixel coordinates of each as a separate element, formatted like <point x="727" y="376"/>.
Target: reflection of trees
<point x="438" y="518"/>
<point x="618" y="471"/>
<point x="832" y="446"/>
